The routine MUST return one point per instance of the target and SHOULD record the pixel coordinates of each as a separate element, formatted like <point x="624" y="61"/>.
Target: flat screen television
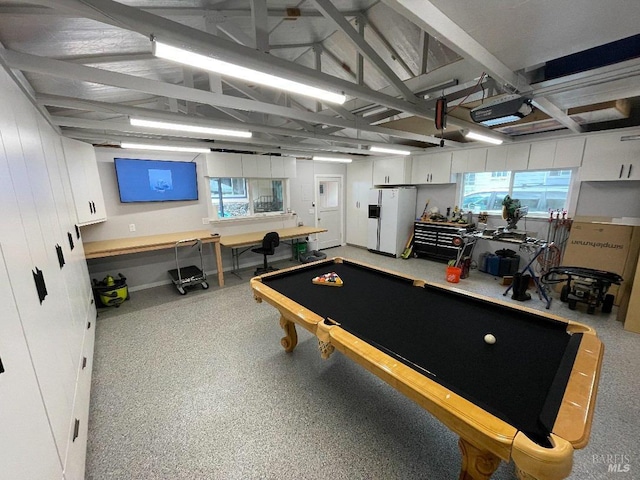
<point x="156" y="180"/>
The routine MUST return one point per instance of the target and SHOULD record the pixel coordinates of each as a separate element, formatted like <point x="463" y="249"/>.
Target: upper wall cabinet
<point x="250" y="166"/>
<point x="224" y="165"/>
<point x="82" y="167"/>
<point x="508" y="157"/>
<point x="472" y="160"/>
<point x="283" y="167"/>
<point x="392" y="171"/>
<point x="565" y="153"/>
<point x="431" y="169"/>
<point x="608" y="157"/>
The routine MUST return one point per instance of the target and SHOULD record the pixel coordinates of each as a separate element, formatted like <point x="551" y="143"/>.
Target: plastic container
<point x="301" y="249"/>
<point x="453" y="274"/>
<point x="493" y="265"/>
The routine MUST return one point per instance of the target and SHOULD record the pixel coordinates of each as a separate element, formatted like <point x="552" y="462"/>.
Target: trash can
<point x="301" y="249"/>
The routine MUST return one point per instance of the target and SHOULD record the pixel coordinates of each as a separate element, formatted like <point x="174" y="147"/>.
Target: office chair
<point x="269" y="243"/>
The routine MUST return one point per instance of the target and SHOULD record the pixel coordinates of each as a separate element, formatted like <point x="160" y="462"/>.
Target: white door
<point x="329" y="207"/>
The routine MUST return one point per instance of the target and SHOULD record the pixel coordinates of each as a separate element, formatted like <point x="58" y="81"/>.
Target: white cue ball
<point x="490" y="339"/>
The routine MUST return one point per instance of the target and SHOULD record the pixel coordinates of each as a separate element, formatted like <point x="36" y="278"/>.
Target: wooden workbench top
<point x="121" y="246"/>
<point x="253" y="238"/>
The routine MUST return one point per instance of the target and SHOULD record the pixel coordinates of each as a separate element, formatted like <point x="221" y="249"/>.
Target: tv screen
<point x="156" y="180"/>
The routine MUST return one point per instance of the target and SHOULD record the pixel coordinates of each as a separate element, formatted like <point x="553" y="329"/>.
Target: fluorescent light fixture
<point x="374" y="111"/>
<point x="139" y="122"/>
<point x="186" y="57"/>
<point x="483" y="138"/>
<point x="319" y="158"/>
<point x="164" y="148"/>
<point x="391" y="151"/>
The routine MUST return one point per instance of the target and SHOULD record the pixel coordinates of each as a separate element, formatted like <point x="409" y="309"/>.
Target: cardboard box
<point x="605" y="246"/>
<point x="629" y="309"/>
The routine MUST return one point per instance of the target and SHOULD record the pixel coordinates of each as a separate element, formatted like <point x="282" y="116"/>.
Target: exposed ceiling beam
<point x="123" y="16"/>
<point x="125" y="110"/>
<point x="115" y="126"/>
<point x="333" y="14"/>
<point x="303" y="150"/>
<point x="79" y="72"/>
<point x="394" y="53"/>
<point x="260" y="24"/>
<point x="428" y="17"/>
<point x="56" y="68"/>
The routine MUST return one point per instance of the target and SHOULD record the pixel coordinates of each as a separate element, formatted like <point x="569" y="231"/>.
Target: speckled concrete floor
<point x="198" y="387"/>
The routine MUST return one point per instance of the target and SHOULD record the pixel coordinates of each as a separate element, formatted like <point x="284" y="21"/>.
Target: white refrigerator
<point x="392" y="212"/>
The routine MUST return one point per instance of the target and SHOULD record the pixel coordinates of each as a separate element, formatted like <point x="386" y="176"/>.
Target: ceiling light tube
<point x="319" y="158"/>
<point x="391" y="151"/>
<point x="139" y="122"/>
<point x="483" y="138"/>
<point x="162" y="50"/>
<point x="164" y="148"/>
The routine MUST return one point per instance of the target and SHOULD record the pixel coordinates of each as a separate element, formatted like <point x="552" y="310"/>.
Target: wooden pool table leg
<point x="290" y="339"/>
<point x="477" y="464"/>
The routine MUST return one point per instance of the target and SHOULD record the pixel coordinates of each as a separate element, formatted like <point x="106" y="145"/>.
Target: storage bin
<point x="493" y="265"/>
<point x="301" y="249"/>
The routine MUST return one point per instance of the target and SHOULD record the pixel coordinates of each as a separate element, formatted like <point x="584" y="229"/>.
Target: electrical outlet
<point x="132" y="227"/>
<point x="205" y="221"/>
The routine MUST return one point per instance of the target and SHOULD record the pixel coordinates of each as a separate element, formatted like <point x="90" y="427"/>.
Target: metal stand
<point x="528" y="269"/>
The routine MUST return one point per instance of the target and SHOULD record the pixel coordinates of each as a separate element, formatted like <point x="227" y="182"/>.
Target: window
<point x="246" y="197"/>
<point x="540" y="190"/>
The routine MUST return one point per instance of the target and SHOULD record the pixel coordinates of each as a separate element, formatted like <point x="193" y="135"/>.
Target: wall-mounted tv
<point x="156" y="180"/>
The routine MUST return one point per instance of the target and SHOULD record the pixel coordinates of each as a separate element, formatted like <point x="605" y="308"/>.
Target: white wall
<point x="148" y="269"/>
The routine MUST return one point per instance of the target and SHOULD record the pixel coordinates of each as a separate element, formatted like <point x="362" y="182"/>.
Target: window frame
<point x="569" y="173"/>
<point x="250" y="200"/>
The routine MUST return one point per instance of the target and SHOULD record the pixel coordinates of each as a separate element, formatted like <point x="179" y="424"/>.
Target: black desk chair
<point x="269" y="243"/>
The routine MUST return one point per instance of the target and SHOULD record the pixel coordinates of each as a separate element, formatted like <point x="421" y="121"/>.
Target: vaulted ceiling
<point x="88" y="66"/>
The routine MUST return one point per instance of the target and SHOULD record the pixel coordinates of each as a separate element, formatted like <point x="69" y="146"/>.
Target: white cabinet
<point x="235" y="165"/>
<point x="431" y="169"/>
<point x="471" y="160"/>
<point x="41" y="335"/>
<point x="27" y="448"/>
<point x="224" y="165"/>
<point x="256" y="166"/>
<point x="541" y="155"/>
<point x="508" y="157"/>
<point x="359" y="182"/>
<point x="607" y="157"/>
<point x="74" y="464"/>
<point x="565" y="153"/>
<point x="392" y="171"/>
<point x="569" y="152"/>
<point x="517" y="157"/>
<point x="82" y="168"/>
<point x="497" y="159"/>
<point x="283" y="167"/>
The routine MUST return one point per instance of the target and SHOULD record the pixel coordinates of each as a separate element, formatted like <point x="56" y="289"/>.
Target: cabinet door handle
<point x="84" y="363"/>
<point x="629" y="173"/>
<point x="621" y="169"/>
<point x="1" y="366"/>
<point x="76" y="429"/>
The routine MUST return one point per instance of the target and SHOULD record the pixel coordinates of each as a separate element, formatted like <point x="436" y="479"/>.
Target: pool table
<point x="528" y="397"/>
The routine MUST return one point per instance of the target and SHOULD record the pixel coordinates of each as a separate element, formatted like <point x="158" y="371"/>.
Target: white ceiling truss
<point x="87" y="65"/>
